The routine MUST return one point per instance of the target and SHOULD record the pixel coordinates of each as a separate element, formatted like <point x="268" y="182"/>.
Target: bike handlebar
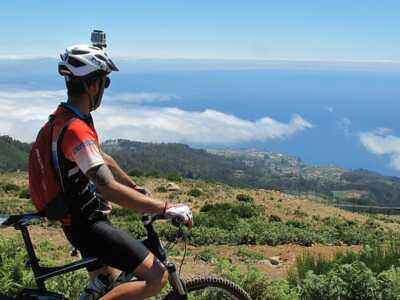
<point x="150" y="219"/>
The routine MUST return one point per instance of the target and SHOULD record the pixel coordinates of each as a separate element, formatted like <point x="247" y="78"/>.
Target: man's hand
<point x="182" y="212"/>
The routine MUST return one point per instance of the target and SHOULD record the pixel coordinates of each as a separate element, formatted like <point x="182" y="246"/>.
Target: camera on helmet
<point x="98" y="39"/>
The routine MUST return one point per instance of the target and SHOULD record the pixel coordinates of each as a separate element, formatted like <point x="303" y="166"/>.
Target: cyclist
<point x="92" y="179"/>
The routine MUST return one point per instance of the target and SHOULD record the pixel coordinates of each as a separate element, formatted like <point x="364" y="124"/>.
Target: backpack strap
<point x="55" y="144"/>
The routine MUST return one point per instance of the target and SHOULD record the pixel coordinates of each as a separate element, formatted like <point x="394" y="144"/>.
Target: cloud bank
<point x="141" y="97"/>
<point x="22" y="112"/>
<point x="382" y="142"/>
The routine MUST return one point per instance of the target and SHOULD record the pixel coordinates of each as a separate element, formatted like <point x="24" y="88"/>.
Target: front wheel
<point x="210" y="288"/>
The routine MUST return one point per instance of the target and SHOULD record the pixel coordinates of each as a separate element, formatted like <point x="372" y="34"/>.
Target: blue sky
<point x="330" y="111"/>
<point x="293" y="30"/>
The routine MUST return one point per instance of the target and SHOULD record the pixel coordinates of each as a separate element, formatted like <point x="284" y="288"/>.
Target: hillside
<point x="13" y="154"/>
<point x="256" y="237"/>
<point x="246" y="168"/>
<point x="266" y="221"/>
<point x="340" y="185"/>
<point x="259" y="169"/>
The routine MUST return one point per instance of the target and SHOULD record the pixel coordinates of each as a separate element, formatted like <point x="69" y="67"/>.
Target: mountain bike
<point x="201" y="288"/>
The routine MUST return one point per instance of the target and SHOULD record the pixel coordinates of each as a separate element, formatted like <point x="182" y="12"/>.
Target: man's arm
<point x="123" y="195"/>
<point x="118" y="173"/>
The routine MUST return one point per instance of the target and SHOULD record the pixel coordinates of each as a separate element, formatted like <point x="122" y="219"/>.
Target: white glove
<point x="181" y="212"/>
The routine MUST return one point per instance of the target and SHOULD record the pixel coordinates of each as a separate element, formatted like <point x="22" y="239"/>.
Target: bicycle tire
<point x="224" y="286"/>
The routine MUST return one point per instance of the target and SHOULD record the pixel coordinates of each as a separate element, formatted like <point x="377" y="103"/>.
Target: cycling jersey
<point x="88" y="227"/>
<point x="80" y="151"/>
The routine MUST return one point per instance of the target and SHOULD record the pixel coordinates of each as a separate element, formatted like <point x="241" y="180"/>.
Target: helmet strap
<point x="100" y="92"/>
<point x="95" y="101"/>
<point x="91" y="100"/>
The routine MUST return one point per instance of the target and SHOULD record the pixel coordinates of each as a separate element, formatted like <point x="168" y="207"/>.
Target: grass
<point x="207" y="255"/>
<point x="249" y="256"/>
<point x="377" y="258"/>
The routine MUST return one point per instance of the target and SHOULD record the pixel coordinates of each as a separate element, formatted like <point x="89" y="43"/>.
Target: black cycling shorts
<point x="112" y="246"/>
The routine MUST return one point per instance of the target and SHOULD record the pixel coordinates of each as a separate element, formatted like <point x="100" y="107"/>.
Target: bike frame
<point x="41" y="273"/>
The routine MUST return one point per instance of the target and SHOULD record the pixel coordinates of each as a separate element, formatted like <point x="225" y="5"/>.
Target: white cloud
<point x="22" y="112"/>
<point x="344" y="124"/>
<point x="175" y="125"/>
<point x="23" y="56"/>
<point x="329" y="109"/>
<point x="382" y="142"/>
<point x="141" y="97"/>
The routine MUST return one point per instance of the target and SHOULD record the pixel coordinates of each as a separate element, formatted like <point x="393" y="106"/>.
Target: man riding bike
<point x="91" y="179"/>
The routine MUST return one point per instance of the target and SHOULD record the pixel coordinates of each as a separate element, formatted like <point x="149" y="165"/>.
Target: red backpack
<point x="45" y="177"/>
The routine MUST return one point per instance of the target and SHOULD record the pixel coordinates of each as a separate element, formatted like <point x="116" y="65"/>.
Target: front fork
<point x="175" y="280"/>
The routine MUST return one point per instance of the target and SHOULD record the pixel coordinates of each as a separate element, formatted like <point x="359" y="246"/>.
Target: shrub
<point x="195" y="193"/>
<point x="389" y="284"/>
<point x="377" y="258"/>
<point x="241" y="210"/>
<point x="174" y="177"/>
<point x="153" y="174"/>
<point x="274" y="218"/>
<point x="202" y="235"/>
<point x="249" y="255"/>
<point x="258" y="285"/>
<point x="349" y="281"/>
<point x="245" y="198"/>
<point x="161" y="189"/>
<point x="207" y="255"/>
<point x="135" y="173"/>
<point x="24" y="193"/>
<point x="13" y="271"/>
<point x="296" y="224"/>
<point x="300" y="213"/>
<point x="10" y="187"/>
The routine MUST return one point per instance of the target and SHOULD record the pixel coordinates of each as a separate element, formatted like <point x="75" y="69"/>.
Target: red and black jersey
<point x="74" y="151"/>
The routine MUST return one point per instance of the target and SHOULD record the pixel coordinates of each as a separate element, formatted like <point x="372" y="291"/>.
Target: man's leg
<point x="104" y="270"/>
<point x="154" y="275"/>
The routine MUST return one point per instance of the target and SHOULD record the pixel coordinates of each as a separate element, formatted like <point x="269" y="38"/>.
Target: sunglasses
<point x="107" y="82"/>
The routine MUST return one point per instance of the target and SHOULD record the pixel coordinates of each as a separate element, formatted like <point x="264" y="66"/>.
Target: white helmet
<point x="83" y="60"/>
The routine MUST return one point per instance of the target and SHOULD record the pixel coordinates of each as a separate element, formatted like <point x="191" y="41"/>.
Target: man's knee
<point x="157" y="283"/>
<point x="154" y="273"/>
<point x="164" y="279"/>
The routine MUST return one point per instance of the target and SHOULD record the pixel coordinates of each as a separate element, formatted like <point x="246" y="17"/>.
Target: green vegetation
<point x="135" y="173"/>
<point x="13" y="154"/>
<point x="233" y="223"/>
<point x="174" y="177"/>
<point x="247" y="168"/>
<point x="161" y="189"/>
<point x="249" y="255"/>
<point x="15" y="274"/>
<point x="195" y="192"/>
<point x="141" y="173"/>
<point x="368" y="275"/>
<point x="245" y="223"/>
<point x="377" y="258"/>
<point x="207" y="255"/>
<point x="373" y="273"/>
<point x="245" y="198"/>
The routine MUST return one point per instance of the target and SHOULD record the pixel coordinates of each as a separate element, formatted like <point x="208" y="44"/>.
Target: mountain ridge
<point x="239" y="167"/>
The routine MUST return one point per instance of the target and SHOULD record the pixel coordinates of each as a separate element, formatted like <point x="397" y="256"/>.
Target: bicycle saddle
<point x="18" y="220"/>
